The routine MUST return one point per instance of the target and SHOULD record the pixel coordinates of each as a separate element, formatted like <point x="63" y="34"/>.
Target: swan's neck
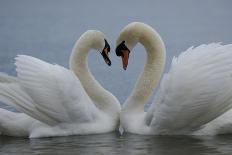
<point x="103" y="99"/>
<point x="153" y="69"/>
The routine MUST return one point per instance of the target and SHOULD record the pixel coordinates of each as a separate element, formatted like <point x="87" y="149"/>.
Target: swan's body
<point x="56" y="101"/>
<point x="196" y="90"/>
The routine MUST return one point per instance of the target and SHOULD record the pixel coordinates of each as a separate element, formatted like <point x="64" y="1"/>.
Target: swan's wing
<point x="197" y="89"/>
<point x="13" y="95"/>
<point x="56" y="91"/>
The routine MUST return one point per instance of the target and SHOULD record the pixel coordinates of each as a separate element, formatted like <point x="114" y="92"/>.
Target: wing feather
<point x="197" y="89"/>
<point x="56" y="91"/>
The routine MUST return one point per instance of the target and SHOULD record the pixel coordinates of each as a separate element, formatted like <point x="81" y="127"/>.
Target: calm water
<point x="48" y="30"/>
<point x="115" y="144"/>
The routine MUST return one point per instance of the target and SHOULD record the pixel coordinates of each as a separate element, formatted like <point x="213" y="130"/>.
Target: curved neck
<point x="78" y="63"/>
<point x="153" y="68"/>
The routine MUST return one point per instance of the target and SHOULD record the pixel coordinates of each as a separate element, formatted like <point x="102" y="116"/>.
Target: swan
<point x="193" y="95"/>
<point x="55" y="101"/>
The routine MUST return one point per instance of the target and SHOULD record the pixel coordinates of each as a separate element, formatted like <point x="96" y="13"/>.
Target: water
<point x="113" y="143"/>
<point x="48" y="30"/>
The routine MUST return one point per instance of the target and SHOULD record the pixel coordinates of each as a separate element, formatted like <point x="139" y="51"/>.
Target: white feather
<point x="197" y="89"/>
<point x="54" y="86"/>
<point x="53" y="99"/>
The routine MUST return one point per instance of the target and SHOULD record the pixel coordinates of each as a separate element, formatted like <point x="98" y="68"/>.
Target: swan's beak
<point x="125" y="57"/>
<point x="104" y="54"/>
<point x="123" y="52"/>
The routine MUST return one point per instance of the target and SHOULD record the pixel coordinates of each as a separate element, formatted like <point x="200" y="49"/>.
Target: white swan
<point x="53" y="100"/>
<point x="197" y="89"/>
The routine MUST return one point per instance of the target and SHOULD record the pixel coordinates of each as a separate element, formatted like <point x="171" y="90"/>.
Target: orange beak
<point x="125" y="57"/>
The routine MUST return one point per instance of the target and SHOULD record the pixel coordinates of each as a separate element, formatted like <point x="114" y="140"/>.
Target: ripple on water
<point x="113" y="143"/>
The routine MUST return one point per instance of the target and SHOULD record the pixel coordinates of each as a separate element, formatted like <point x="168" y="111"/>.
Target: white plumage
<point x="197" y="89"/>
<point x="53" y="99"/>
<point x="193" y="95"/>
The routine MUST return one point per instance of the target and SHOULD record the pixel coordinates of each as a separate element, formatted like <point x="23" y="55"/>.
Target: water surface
<point x="113" y="143"/>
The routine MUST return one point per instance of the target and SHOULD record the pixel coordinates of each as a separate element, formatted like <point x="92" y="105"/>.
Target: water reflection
<point x="113" y="143"/>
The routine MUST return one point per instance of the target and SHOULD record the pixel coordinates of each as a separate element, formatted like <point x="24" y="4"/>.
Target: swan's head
<point x="96" y="40"/>
<point x="127" y="39"/>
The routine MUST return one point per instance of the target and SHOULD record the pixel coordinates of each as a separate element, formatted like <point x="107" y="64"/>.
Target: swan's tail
<point x="12" y="94"/>
<point x="4" y="78"/>
<point x="14" y="124"/>
<point x="11" y="123"/>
